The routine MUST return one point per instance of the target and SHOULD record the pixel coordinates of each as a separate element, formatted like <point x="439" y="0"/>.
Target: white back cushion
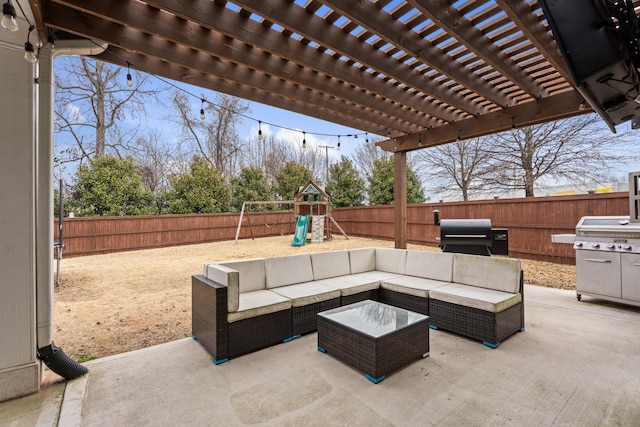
<point x="391" y="260"/>
<point x="330" y="264"/>
<point x="228" y="277"/>
<point x="362" y="260"/>
<point x="252" y="276"/>
<point x="288" y="270"/>
<point x="430" y="265"/>
<point x="501" y="274"/>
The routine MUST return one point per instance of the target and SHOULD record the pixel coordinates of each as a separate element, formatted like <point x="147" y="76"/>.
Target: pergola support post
<point x="400" y="197"/>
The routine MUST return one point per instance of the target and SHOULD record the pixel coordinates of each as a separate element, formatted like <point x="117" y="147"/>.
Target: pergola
<point x="418" y="72"/>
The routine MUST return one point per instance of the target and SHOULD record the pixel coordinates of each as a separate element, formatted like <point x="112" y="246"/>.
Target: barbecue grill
<point x="608" y="258"/>
<point x="473" y="236"/>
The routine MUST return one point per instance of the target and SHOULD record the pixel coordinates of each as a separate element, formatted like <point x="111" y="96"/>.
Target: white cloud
<point x="74" y="114"/>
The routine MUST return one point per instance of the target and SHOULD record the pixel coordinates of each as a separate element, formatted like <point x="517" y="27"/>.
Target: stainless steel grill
<point x="608" y="258"/>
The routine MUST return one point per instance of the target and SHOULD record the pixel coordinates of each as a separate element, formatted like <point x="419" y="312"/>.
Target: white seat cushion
<point x="377" y="275"/>
<point x="353" y="284"/>
<point x="472" y="296"/>
<point x="303" y="294"/>
<point x="257" y="303"/>
<point x="411" y="285"/>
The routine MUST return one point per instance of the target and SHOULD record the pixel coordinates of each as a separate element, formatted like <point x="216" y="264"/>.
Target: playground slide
<point x="300" y="236"/>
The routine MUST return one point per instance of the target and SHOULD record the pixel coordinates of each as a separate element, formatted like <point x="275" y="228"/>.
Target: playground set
<point x="312" y="205"/>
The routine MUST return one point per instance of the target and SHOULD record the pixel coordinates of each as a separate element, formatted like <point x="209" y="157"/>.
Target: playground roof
<point x="417" y="72"/>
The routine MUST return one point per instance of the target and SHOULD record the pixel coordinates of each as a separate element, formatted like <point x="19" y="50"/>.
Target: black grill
<point x="473" y="236"/>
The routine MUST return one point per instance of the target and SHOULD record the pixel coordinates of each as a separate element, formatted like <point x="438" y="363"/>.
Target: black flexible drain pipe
<point x="60" y="363"/>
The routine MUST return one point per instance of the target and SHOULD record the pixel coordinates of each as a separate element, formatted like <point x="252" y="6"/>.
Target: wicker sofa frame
<point x="224" y="340"/>
<point x="488" y="327"/>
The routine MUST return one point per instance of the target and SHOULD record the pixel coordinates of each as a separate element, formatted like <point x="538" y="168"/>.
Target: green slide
<point x="300" y="237"/>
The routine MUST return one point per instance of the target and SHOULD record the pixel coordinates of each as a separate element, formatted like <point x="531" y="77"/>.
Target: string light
<point x="260" y="122"/>
<point x="9" y="17"/>
<point x="51" y="40"/>
<point x="304" y="139"/>
<point x="129" y="79"/>
<point x="29" y="51"/>
<point x="338" y="142"/>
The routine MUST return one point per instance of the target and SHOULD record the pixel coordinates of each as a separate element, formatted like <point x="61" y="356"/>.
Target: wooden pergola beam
<point x="563" y="105"/>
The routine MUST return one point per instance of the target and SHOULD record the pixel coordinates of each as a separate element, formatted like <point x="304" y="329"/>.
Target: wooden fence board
<point x="531" y="222"/>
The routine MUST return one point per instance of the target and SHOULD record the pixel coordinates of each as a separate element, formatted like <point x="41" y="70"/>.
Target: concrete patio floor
<point x="576" y="364"/>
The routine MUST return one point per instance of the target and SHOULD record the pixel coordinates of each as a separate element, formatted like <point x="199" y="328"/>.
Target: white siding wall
<point x="19" y="369"/>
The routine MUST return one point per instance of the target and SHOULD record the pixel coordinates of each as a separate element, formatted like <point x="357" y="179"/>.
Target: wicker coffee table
<point x="373" y="337"/>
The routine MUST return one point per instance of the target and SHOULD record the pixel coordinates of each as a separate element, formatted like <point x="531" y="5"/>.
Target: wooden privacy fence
<point x="530" y="222"/>
<point x="100" y="235"/>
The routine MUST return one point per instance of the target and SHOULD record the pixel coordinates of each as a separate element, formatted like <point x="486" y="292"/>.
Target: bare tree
<point x="576" y="150"/>
<point x="92" y="102"/>
<point x="155" y="160"/>
<point x="215" y="137"/>
<point x="365" y="155"/>
<point x="270" y="154"/>
<point x="460" y="166"/>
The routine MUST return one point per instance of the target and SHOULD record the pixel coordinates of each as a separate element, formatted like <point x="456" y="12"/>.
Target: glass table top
<point x="373" y="318"/>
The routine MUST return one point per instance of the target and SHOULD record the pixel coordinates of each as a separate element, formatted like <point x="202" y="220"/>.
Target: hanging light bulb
<point x="9" y="17"/>
<point x="304" y="140"/>
<point x="129" y="79"/>
<point x="202" y="110"/>
<point x="259" y="130"/>
<point x="338" y="143"/>
<point x="29" y="51"/>
<point x="52" y="43"/>
<point x="366" y="137"/>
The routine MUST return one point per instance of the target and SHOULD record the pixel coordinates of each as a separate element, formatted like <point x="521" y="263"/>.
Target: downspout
<point x="47" y="351"/>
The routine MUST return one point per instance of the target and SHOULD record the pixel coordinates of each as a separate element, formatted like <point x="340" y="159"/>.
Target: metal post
<point x="60" y="243"/>
<point x="326" y="151"/>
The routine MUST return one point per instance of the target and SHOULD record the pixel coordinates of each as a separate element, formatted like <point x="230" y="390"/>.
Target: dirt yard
<point x="109" y="304"/>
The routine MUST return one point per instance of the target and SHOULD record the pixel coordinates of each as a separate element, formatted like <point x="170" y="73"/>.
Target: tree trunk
<point x="528" y="186"/>
<point x="100" y="128"/>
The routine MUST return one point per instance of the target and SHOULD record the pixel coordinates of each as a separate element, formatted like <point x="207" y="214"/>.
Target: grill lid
<point x="607" y="226"/>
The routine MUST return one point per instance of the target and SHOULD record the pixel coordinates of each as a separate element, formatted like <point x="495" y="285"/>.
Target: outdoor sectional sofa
<point x="245" y="305"/>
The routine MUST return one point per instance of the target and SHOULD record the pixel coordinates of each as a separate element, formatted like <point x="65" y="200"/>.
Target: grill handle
<point x="598" y="260"/>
